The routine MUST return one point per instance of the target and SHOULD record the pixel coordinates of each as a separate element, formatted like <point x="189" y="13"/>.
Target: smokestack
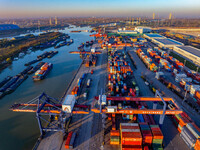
<point x="56" y="21"/>
<point x="170" y="16"/>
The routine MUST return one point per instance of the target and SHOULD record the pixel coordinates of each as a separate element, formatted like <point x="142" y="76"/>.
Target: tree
<point x="8" y="60"/>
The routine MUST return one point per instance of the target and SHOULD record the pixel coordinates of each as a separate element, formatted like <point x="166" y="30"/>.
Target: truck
<point x="88" y="82"/>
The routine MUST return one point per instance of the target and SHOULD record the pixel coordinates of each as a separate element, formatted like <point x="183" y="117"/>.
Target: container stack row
<point x="76" y="89"/>
<point x="147" y="60"/>
<point x="131" y="137"/>
<point x="114" y="137"/>
<point x="119" y="74"/>
<point x="147" y="136"/>
<point x="157" y="137"/>
<point x="189" y="131"/>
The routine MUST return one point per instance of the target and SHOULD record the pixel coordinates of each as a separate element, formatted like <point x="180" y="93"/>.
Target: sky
<point x="75" y="8"/>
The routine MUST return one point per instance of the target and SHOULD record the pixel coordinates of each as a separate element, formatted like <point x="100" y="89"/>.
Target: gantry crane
<point x="44" y="105"/>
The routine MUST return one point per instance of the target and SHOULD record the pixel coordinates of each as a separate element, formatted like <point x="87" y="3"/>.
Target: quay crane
<point x="44" y="105"/>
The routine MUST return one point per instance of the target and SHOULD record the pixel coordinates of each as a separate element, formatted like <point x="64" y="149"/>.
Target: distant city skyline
<point x="83" y="8"/>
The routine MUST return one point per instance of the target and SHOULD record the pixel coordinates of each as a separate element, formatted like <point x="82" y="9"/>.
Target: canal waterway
<point x="20" y="130"/>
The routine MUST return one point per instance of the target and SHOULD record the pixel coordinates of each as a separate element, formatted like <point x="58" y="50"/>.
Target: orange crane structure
<point x="44" y="105"/>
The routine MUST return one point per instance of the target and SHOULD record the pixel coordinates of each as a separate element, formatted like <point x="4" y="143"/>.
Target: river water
<point x="20" y="130"/>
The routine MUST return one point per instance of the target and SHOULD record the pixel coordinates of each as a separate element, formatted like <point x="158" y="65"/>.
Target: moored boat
<point x="42" y="72"/>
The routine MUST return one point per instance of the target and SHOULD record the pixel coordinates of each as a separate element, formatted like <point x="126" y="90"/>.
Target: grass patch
<point x="188" y="64"/>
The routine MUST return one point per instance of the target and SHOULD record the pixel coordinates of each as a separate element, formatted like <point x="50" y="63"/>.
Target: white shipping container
<point x="194" y="88"/>
<point x="68" y="103"/>
<point x="93" y="50"/>
<point x="129" y="124"/>
<point x="111" y="108"/>
<point x="179" y="77"/>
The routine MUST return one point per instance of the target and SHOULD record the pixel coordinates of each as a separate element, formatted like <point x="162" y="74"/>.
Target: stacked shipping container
<point x="131" y="138"/>
<point x="157" y="137"/>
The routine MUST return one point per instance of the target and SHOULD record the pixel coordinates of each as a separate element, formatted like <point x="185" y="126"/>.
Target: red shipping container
<point x="68" y="140"/>
<point x="130" y="127"/>
<point x="113" y="126"/>
<point x="114" y="133"/>
<point x="128" y="142"/>
<point x="179" y="130"/>
<point x="146" y="148"/>
<point x="131" y="147"/>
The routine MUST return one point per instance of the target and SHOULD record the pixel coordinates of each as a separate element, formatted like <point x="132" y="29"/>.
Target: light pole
<point x="186" y="94"/>
<point x="183" y="65"/>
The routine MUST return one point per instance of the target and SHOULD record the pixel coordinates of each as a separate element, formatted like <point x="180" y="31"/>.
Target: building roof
<point x="190" y="49"/>
<point x="8" y="27"/>
<point x="167" y="41"/>
<point x="143" y="27"/>
<point x="141" y="39"/>
<point x="152" y="35"/>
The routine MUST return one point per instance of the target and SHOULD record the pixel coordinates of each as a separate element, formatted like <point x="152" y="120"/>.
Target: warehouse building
<point x="166" y="43"/>
<point x="151" y="36"/>
<point x="189" y="52"/>
<point x="162" y="41"/>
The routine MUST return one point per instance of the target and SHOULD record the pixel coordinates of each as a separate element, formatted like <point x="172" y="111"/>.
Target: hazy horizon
<point x="106" y="8"/>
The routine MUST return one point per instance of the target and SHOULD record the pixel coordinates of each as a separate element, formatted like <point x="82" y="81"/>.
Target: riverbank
<point x="11" y="49"/>
<point x="30" y="30"/>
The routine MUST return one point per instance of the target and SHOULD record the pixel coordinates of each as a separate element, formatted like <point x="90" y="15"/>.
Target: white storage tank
<point x="68" y="103"/>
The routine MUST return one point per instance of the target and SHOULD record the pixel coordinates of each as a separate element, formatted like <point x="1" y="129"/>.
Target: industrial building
<point x="8" y="27"/>
<point x="166" y="43"/>
<point x="189" y="52"/>
<point x="142" y="30"/>
<point x="124" y="31"/>
<point x="151" y="36"/>
<point x="162" y="41"/>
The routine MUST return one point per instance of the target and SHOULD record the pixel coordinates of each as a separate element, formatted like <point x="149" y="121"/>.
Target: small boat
<point x="52" y="53"/>
<point x="14" y="86"/>
<point x="76" y="31"/>
<point x="16" y="58"/>
<point x="21" y="55"/>
<point x="31" y="62"/>
<point x="5" y="81"/>
<point x="9" y="83"/>
<point x="34" y="69"/>
<point x="25" y="71"/>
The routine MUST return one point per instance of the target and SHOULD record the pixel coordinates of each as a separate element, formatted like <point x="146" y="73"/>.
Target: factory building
<point x="189" y="52"/>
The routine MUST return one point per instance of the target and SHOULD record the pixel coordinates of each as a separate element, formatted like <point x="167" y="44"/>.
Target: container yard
<point x="116" y="101"/>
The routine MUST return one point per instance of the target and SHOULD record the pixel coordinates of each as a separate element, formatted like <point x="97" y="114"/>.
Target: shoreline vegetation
<point x="10" y="49"/>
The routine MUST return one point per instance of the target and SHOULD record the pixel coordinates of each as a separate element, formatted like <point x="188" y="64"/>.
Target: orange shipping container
<point x="114" y="133"/>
